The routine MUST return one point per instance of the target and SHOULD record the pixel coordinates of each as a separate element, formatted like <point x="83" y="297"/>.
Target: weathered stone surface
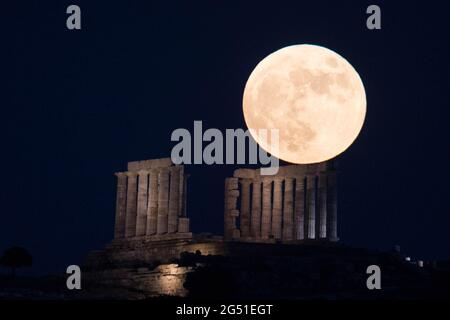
<point x="230" y="216"/>
<point x="149" y="164"/>
<point x="288" y="209"/>
<point x="322" y="205"/>
<point x="299" y="209"/>
<point x="121" y="199"/>
<point x="130" y="223"/>
<point x="291" y="171"/>
<point x="245" y="207"/>
<point x="154" y="198"/>
<point x="286" y="212"/>
<point x="255" y="228"/>
<point x="174" y="199"/>
<point x="311" y="205"/>
<point x="152" y="208"/>
<point x="232" y="184"/>
<point x="332" y="206"/>
<point x="266" y="208"/>
<point x="163" y="201"/>
<point x="141" y="222"/>
<point x="183" y="225"/>
<point x="277" y="208"/>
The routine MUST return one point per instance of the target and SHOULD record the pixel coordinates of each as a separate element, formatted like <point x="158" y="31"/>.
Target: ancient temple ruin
<point x="298" y="203"/>
<point x="265" y="216"/>
<point x="151" y="201"/>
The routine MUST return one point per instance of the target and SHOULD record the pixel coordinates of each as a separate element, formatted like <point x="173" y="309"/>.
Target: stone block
<point x="149" y="164"/>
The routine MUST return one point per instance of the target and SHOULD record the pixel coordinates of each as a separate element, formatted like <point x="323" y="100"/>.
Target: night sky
<point x="78" y="105"/>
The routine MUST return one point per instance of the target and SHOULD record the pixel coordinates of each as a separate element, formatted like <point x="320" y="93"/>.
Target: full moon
<point x="312" y="95"/>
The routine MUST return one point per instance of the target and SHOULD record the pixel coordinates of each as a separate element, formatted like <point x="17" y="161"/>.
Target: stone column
<point x="121" y="202"/>
<point x="181" y="209"/>
<point x="322" y="198"/>
<point x="141" y="222"/>
<point x="174" y="199"/>
<point x="332" y="206"/>
<point x="185" y="183"/>
<point x="245" y="207"/>
<point x="163" y="201"/>
<point x="277" y="208"/>
<point x="230" y="211"/>
<point x="183" y="225"/>
<point x="130" y="222"/>
<point x="152" y="207"/>
<point x="267" y="208"/>
<point x="311" y="205"/>
<point x="255" y="230"/>
<point x="299" y="210"/>
<point x="288" y="209"/>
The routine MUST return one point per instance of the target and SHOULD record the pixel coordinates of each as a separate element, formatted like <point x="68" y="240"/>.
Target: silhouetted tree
<point x="16" y="257"/>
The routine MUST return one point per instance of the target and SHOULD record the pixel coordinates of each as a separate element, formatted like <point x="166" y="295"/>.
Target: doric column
<point x="332" y="206"/>
<point x="267" y="208"/>
<point x="277" y="208"/>
<point x="299" y="210"/>
<point x="230" y="211"/>
<point x="288" y="209"/>
<point x="141" y="222"/>
<point x="152" y="207"/>
<point x="130" y="223"/>
<point x="183" y="225"/>
<point x="174" y="199"/>
<point x="121" y="200"/>
<point x="245" y="207"/>
<point x="255" y="230"/>
<point x="181" y="208"/>
<point x="322" y="198"/>
<point x="311" y="205"/>
<point x="185" y="183"/>
<point x="163" y="201"/>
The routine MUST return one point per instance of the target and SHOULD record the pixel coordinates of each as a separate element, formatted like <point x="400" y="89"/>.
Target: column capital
<point x="278" y="179"/>
<point x="131" y="173"/>
<point x="164" y="170"/>
<point x="174" y="168"/>
<point x="322" y="179"/>
<point x="120" y="174"/>
<point x="245" y="181"/>
<point x="143" y="172"/>
<point x="267" y="180"/>
<point x="310" y="181"/>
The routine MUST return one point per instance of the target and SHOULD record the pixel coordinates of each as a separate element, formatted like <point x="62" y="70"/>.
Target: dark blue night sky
<point x="77" y="105"/>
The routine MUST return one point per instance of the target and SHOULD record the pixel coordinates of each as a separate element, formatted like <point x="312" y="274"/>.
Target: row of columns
<point x="284" y="208"/>
<point x="151" y="202"/>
